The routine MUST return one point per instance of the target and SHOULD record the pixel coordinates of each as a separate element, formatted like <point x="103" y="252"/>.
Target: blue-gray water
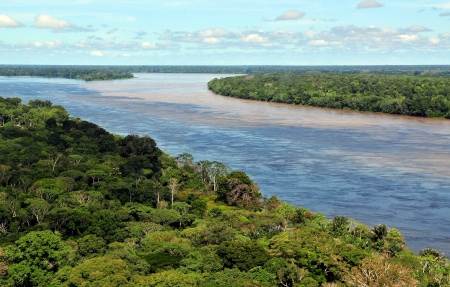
<point x="374" y="168"/>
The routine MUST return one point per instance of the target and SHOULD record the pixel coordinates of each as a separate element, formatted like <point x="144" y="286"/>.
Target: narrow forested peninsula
<point x="422" y="95"/>
<point x="80" y="206"/>
<point x="86" y="73"/>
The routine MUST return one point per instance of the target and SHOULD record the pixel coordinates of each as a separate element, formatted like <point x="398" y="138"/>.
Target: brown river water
<point x="372" y="167"/>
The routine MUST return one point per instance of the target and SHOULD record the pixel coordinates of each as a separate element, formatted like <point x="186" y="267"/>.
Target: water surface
<point x="371" y="167"/>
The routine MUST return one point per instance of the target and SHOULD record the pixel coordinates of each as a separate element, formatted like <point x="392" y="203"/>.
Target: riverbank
<point x="418" y="95"/>
<point x="377" y="169"/>
<point x="147" y="212"/>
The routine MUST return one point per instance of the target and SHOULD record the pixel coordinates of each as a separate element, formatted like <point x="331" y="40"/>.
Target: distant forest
<point x="424" y="93"/>
<point x="86" y="72"/>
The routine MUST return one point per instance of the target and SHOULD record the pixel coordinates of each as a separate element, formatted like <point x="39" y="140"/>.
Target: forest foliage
<point x="420" y="94"/>
<point x="86" y="73"/>
<point x="80" y="206"/>
<point x="110" y="72"/>
<point x="424" y="70"/>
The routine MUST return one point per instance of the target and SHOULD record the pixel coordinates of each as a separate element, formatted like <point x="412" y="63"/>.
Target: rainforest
<point x="80" y="206"/>
<point x="419" y="94"/>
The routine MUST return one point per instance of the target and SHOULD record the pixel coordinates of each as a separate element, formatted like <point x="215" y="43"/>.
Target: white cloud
<point x="140" y="34"/>
<point x="82" y="44"/>
<point x="213" y="33"/>
<point x="40" y="44"/>
<point x="212" y="41"/>
<point x="97" y="53"/>
<point x="408" y="38"/>
<point x="45" y="21"/>
<point x="55" y="44"/>
<point x="434" y="40"/>
<point x="8" y="22"/>
<point x="418" y="28"/>
<point x="319" y="42"/>
<point x="253" y="38"/>
<point x="50" y="22"/>
<point x="290" y="15"/>
<point x="127" y="44"/>
<point x="445" y="5"/>
<point x="351" y="38"/>
<point x="375" y="39"/>
<point x="310" y="34"/>
<point x="369" y="4"/>
<point x="207" y="36"/>
<point x="98" y="44"/>
<point x="148" y="45"/>
<point x="282" y="34"/>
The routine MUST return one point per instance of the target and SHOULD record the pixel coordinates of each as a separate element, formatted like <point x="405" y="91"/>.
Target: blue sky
<point x="222" y="32"/>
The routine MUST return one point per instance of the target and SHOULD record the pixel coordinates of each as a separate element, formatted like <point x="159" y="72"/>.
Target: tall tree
<point x="35" y="257"/>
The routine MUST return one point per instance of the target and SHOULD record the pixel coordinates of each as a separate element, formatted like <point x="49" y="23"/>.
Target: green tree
<point x="230" y="277"/>
<point x="38" y="207"/>
<point x="91" y="244"/>
<point x="243" y="255"/>
<point x="35" y="257"/>
<point x="204" y="259"/>
<point x="287" y="273"/>
<point x="238" y="189"/>
<point x="169" y="278"/>
<point x="49" y="188"/>
<point x="98" y="272"/>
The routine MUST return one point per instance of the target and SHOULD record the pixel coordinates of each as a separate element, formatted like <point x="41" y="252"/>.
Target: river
<point x="372" y="167"/>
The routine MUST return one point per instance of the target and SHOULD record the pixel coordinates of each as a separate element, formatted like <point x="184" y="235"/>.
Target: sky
<point x="225" y="32"/>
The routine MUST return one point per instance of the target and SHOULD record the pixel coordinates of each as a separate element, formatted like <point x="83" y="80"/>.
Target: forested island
<point x="80" y="206"/>
<point x="419" y="94"/>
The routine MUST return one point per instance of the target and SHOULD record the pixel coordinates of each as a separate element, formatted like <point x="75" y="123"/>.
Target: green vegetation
<point x="86" y="73"/>
<point x="432" y="70"/>
<point x="98" y="72"/>
<point x="82" y="207"/>
<point x="414" y="95"/>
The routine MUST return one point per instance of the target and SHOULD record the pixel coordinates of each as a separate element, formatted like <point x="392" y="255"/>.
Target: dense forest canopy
<point x="421" y="94"/>
<point x="80" y="206"/>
